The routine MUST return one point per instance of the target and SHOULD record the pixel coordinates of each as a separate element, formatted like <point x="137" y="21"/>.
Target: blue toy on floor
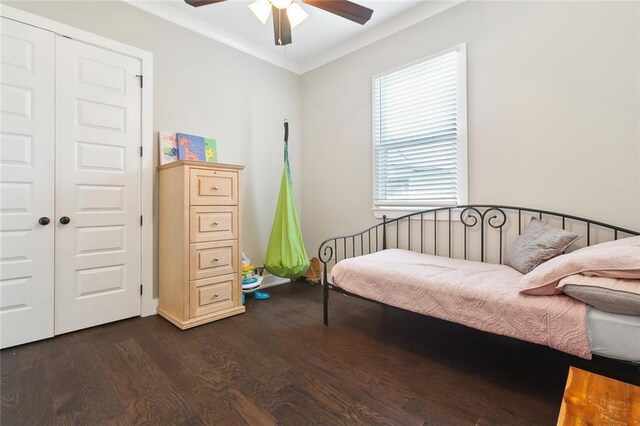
<point x="250" y="282"/>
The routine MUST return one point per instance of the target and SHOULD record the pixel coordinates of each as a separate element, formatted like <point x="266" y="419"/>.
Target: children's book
<point x="167" y="147"/>
<point x="190" y="147"/>
<point x="210" y="150"/>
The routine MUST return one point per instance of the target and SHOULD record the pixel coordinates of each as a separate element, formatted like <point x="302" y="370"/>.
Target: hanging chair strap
<point x="286" y="149"/>
<point x="286" y="131"/>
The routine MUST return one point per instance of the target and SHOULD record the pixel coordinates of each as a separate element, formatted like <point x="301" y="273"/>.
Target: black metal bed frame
<point x="479" y="217"/>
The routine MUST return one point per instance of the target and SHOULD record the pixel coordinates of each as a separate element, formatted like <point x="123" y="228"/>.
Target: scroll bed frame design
<point x="485" y="218"/>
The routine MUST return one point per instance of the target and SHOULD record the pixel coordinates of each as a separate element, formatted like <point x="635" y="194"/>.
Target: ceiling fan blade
<point x="281" y="26"/>
<point x="198" y="3"/>
<point x="349" y="10"/>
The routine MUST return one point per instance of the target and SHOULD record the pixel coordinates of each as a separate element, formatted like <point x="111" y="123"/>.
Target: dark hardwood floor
<point x="278" y="364"/>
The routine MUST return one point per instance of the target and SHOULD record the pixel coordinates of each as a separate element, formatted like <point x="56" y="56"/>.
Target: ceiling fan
<point x="287" y="13"/>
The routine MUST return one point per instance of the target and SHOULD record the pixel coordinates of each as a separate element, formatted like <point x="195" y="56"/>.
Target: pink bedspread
<point x="479" y="295"/>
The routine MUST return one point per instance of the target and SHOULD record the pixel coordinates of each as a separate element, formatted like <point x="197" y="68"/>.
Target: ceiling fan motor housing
<point x="281" y="4"/>
<point x="294" y="14"/>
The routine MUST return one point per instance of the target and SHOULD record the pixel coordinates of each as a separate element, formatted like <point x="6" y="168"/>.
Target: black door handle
<point x="64" y="220"/>
<point x="44" y="220"/>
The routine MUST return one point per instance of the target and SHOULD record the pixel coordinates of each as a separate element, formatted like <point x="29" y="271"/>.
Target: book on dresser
<point x="199" y="272"/>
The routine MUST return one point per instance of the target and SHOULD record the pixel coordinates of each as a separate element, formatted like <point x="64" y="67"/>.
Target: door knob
<point x="65" y="220"/>
<point x="44" y="220"/>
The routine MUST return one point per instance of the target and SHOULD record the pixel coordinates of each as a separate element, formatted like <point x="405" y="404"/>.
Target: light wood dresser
<point x="200" y="268"/>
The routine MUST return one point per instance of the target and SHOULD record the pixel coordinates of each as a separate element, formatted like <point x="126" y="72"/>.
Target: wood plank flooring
<point x="278" y="364"/>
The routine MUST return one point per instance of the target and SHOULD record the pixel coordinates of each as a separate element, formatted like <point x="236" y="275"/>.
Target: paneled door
<point x="98" y="138"/>
<point x="26" y="183"/>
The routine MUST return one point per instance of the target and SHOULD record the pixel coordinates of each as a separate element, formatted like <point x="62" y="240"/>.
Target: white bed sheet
<point x="614" y="335"/>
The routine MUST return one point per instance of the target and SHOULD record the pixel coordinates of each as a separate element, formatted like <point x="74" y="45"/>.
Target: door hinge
<point x="141" y="77"/>
<point x="140" y="289"/>
<point x="140" y="220"/>
<point x="140" y="150"/>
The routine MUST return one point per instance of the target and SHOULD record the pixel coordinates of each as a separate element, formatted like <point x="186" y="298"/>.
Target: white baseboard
<point x="269" y="280"/>
<point x="155" y="309"/>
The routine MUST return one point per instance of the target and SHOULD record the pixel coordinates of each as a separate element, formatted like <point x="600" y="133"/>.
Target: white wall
<point x="553" y="108"/>
<point x="553" y="111"/>
<point x="206" y="88"/>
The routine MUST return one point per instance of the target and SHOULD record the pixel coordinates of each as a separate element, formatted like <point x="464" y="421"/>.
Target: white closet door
<point x="26" y="183"/>
<point x="98" y="137"/>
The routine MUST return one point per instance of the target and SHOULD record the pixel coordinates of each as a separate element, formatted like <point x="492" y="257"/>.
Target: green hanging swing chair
<point x="286" y="256"/>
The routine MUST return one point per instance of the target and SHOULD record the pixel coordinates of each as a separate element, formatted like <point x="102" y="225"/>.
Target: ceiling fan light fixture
<point x="296" y="14"/>
<point x="262" y="10"/>
<point x="281" y="4"/>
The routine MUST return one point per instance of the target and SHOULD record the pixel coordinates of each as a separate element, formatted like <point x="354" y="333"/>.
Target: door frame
<point x="147" y="171"/>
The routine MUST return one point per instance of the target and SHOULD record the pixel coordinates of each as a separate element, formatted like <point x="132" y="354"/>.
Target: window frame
<point x="462" y="140"/>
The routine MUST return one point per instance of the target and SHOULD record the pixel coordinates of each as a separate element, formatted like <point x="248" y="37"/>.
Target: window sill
<point x="395" y="212"/>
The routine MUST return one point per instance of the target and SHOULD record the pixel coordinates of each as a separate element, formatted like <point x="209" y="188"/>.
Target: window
<point x="419" y="134"/>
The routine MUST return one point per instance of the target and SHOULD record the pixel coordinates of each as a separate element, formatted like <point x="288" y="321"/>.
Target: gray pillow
<point x="537" y="244"/>
<point x="618" y="296"/>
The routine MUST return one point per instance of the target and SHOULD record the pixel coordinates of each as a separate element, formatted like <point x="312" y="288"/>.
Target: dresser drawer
<point x="212" y="294"/>
<point x="213" y="223"/>
<point x="213" y="259"/>
<point x="213" y="187"/>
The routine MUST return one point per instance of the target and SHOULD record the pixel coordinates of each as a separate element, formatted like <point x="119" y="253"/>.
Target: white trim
<point x="173" y="14"/>
<point x="411" y="17"/>
<point x="463" y="162"/>
<point x="396" y="212"/>
<point x="457" y="48"/>
<point x="384" y="29"/>
<point x="75" y="33"/>
<point x="270" y="280"/>
<point x="463" y="142"/>
<point x="147" y="306"/>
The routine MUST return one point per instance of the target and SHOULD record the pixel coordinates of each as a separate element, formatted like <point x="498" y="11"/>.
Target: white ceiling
<point x="321" y="38"/>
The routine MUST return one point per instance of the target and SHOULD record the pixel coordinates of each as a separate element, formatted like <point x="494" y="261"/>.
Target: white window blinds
<point x="417" y="128"/>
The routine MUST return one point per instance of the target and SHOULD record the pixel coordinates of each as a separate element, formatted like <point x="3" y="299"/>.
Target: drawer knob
<point x="215" y="224"/>
<point x="215" y="188"/>
<point x="215" y="295"/>
<point x="215" y="259"/>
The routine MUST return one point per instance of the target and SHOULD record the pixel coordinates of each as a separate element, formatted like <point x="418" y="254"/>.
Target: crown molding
<point x="377" y="33"/>
<point x="382" y="30"/>
<point x="172" y="14"/>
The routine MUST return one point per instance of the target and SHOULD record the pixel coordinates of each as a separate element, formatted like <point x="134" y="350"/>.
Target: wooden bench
<point x="591" y="399"/>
